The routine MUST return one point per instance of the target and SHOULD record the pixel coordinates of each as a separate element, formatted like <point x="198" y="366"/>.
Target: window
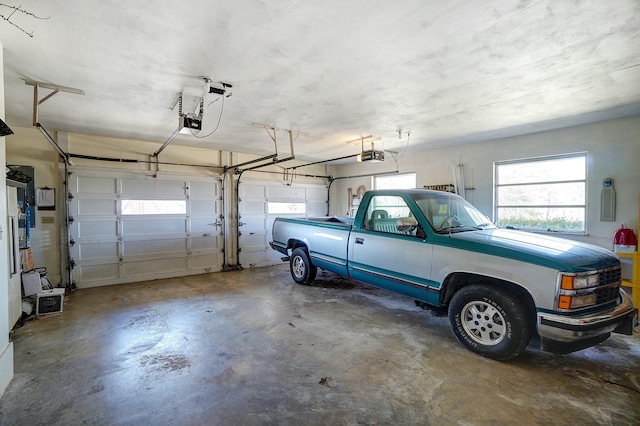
<point x="383" y="213"/>
<point x="286" y="208"/>
<point x="132" y="207"/>
<point x="403" y="181"/>
<point x="542" y="194"/>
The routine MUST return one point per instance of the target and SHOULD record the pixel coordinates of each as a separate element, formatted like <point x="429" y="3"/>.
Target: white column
<point x="6" y="347"/>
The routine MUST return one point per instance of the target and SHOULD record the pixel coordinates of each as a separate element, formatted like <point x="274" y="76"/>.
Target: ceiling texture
<point x="414" y="74"/>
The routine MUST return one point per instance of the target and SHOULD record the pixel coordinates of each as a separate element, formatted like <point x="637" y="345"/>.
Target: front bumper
<point x="564" y="334"/>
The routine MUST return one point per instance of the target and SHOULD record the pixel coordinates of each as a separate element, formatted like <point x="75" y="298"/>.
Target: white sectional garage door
<point x="112" y="246"/>
<point x="256" y="221"/>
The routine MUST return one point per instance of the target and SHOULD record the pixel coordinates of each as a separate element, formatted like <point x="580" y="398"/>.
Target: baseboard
<point x="6" y="366"/>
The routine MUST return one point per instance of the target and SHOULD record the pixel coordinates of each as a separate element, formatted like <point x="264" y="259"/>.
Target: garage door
<point x="129" y="226"/>
<point x="260" y="203"/>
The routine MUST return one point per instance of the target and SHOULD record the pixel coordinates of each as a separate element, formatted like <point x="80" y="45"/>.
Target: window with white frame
<point x="542" y="194"/>
<point x="400" y="181"/>
<point x="153" y="207"/>
<point x="286" y="208"/>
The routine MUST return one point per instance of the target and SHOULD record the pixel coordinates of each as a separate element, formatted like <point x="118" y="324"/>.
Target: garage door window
<point x="134" y="207"/>
<point x="542" y="194"/>
<point x="286" y="208"/>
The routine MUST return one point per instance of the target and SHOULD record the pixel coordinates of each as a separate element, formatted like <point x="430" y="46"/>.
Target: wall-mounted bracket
<point x="55" y="89"/>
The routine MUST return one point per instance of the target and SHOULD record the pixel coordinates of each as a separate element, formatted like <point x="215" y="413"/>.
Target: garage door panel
<point x="164" y="187"/>
<point x="210" y="261"/>
<point x="93" y="185"/>
<point x="285" y="192"/>
<point x="253" y="224"/>
<point x="154" y="267"/>
<point x="88" y="251"/>
<point x="154" y="247"/>
<point x="105" y="272"/>
<point x="205" y="243"/>
<point x="255" y="240"/>
<point x="252" y="207"/>
<point x="203" y="207"/>
<point x="254" y="258"/>
<point x="97" y="229"/>
<point x="87" y="207"/>
<point x="204" y="226"/>
<point x="316" y="209"/>
<point x="317" y="194"/>
<point x="252" y="191"/>
<point x="152" y="227"/>
<point x="204" y="189"/>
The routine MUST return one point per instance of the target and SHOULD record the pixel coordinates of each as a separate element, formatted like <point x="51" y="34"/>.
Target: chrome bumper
<point x="558" y="328"/>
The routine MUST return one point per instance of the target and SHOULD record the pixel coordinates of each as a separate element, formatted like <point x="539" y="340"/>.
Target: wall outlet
<point x="47" y="219"/>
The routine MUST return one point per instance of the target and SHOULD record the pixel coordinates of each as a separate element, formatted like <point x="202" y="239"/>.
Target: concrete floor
<point x="251" y="347"/>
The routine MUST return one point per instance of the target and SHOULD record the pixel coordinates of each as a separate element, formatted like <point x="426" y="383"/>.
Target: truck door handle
<point x="359" y="240"/>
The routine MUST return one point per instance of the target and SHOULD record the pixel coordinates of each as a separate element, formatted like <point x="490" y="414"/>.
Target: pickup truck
<point x="500" y="286"/>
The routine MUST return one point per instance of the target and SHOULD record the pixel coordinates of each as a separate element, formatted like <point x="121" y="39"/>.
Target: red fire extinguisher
<point x="624" y="240"/>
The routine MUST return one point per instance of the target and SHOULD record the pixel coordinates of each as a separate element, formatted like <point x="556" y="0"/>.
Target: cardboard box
<point x="26" y="259"/>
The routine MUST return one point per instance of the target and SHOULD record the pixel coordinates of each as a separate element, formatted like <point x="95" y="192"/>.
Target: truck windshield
<point x="450" y="213"/>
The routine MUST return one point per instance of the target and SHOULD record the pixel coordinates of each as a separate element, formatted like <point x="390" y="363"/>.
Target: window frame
<point x="273" y="207"/>
<point x="397" y="175"/>
<point x="124" y="203"/>
<point x="497" y="185"/>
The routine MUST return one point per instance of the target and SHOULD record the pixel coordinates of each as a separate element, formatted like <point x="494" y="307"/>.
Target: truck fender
<point x="458" y="280"/>
<point x="293" y="244"/>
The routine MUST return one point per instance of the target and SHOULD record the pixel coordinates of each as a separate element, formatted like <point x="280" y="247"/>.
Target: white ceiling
<point x="449" y="72"/>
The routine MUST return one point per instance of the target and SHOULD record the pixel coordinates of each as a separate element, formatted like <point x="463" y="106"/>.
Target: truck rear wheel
<point x="490" y="322"/>
<point x="302" y="271"/>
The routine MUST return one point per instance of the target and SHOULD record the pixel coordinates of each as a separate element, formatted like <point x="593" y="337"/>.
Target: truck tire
<point x="302" y="271"/>
<point x="490" y="321"/>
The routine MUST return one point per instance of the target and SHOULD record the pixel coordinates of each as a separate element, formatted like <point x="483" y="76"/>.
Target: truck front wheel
<point x="302" y="271"/>
<point x="490" y="321"/>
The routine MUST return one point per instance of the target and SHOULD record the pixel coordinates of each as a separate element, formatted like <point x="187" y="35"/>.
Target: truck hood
<point x="553" y="252"/>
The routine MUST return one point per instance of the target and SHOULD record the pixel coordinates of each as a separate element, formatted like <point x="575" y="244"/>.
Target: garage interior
<point x="236" y="113"/>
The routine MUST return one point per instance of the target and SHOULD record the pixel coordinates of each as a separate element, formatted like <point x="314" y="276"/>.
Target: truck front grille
<point x="607" y="294"/>
<point x="610" y="276"/>
<point x="611" y="279"/>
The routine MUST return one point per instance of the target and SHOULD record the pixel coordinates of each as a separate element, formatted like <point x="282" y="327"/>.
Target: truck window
<point x="383" y="213"/>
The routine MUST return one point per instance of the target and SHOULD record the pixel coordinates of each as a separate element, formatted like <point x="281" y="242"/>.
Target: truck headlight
<point x="575" y="282"/>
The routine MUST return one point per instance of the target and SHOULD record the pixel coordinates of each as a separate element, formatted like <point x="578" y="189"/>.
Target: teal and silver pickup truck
<point x="500" y="286"/>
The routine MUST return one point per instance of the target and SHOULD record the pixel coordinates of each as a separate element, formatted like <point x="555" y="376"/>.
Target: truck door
<point x="390" y="250"/>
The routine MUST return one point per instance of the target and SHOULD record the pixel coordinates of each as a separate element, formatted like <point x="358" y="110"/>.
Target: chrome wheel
<point x="483" y="323"/>
<point x="298" y="267"/>
<point x="302" y="270"/>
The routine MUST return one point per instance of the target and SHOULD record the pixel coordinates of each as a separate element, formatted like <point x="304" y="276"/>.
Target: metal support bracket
<point x="55" y="89"/>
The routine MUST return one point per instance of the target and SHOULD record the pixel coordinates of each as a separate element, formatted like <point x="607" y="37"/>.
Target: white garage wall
<point x="6" y="347"/>
<point x="27" y="147"/>
<point x="613" y="147"/>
